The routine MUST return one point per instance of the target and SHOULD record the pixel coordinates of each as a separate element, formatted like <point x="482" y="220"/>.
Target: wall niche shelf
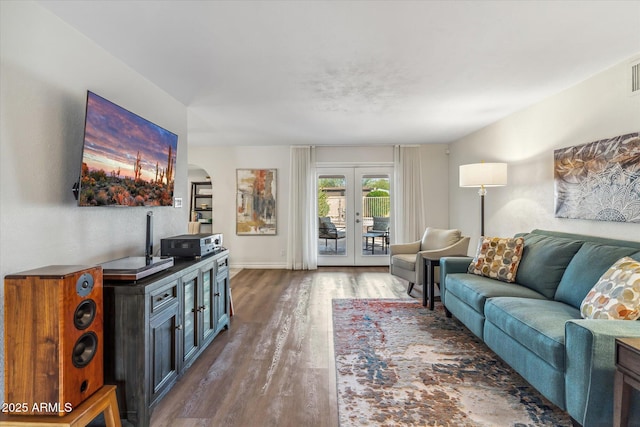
<point x="202" y="203"/>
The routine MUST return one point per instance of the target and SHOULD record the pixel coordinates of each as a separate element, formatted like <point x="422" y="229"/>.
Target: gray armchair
<point x="328" y="230"/>
<point x="406" y="259"/>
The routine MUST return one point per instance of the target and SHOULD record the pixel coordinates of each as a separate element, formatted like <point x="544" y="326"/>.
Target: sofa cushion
<point x="617" y="293"/>
<point x="475" y="290"/>
<point x="584" y="270"/>
<point x="436" y="238"/>
<point x="405" y="261"/>
<point x="536" y="324"/>
<point x="544" y="260"/>
<point x="586" y="238"/>
<point x="497" y="258"/>
<point x="380" y="223"/>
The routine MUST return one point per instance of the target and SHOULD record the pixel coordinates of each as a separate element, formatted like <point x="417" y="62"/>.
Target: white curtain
<point x="302" y="248"/>
<point x="409" y="223"/>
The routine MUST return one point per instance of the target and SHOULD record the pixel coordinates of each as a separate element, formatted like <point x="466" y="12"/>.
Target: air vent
<point x="635" y="78"/>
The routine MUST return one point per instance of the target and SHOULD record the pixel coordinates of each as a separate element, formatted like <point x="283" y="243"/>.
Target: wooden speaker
<point x="53" y="338"/>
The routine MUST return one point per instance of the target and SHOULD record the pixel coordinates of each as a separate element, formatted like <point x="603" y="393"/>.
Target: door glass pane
<point x="332" y="206"/>
<point x="206" y="300"/>
<point x="189" y="316"/>
<point x="375" y="208"/>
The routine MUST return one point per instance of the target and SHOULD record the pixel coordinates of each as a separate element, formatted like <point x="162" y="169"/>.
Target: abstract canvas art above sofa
<point x="599" y="180"/>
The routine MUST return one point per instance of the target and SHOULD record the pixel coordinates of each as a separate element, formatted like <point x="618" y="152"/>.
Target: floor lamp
<point x="483" y="175"/>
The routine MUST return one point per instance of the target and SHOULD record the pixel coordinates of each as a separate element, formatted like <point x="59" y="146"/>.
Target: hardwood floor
<point x="275" y="365"/>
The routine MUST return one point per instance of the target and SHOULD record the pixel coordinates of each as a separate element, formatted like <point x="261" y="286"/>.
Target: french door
<point x="354" y="215"/>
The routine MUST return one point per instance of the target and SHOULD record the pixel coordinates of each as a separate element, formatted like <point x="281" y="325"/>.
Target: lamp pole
<point x="482" y="192"/>
<point x="483" y="175"/>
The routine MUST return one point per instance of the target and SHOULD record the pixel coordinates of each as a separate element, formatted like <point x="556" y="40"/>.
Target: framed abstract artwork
<point x="599" y="180"/>
<point x="256" y="202"/>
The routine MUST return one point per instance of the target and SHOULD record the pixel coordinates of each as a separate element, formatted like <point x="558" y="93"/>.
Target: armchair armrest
<point x="590" y="367"/>
<point x="458" y="248"/>
<point x="404" y="248"/>
<point x="326" y="232"/>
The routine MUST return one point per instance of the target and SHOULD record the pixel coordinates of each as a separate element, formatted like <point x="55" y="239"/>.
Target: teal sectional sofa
<point x="535" y="325"/>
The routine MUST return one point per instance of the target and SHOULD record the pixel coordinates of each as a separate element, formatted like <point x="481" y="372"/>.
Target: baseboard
<point x="260" y="265"/>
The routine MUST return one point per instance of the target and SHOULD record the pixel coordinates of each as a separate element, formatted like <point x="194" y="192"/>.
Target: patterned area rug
<point x="400" y="364"/>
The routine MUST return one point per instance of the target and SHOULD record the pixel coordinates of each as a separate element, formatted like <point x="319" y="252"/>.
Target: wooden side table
<point x="627" y="376"/>
<point x="102" y="401"/>
<point x="429" y="280"/>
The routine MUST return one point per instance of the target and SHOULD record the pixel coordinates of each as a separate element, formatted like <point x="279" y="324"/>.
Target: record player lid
<point x="134" y="268"/>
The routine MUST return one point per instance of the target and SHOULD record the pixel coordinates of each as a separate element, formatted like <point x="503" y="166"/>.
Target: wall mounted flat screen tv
<point x="126" y="159"/>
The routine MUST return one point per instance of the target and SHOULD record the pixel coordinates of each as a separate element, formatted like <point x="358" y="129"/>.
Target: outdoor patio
<point x="330" y="248"/>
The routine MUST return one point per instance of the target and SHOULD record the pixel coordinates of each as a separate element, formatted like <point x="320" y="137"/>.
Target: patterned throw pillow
<point x="616" y="295"/>
<point x="497" y="258"/>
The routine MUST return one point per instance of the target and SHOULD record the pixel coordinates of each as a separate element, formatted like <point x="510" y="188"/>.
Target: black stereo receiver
<point x="191" y="245"/>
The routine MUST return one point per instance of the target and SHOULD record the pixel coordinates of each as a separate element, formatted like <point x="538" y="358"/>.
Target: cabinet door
<point x="163" y="335"/>
<point x="190" y="310"/>
<point x="221" y="294"/>
<point x="207" y="302"/>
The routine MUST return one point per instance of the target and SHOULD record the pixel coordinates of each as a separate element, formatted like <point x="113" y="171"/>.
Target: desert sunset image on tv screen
<point x="127" y="160"/>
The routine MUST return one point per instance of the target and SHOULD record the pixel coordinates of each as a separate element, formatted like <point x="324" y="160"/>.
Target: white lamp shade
<point x="483" y="175"/>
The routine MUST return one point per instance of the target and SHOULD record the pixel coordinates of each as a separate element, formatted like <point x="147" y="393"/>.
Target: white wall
<point x="47" y="68"/>
<point x="354" y="154"/>
<point x="221" y="163"/>
<point x="435" y="176"/>
<point x="597" y="108"/>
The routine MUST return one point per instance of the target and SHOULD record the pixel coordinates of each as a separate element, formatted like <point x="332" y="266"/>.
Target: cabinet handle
<point x="217" y="294"/>
<point x="163" y="297"/>
<point x="179" y="327"/>
<point x="202" y="308"/>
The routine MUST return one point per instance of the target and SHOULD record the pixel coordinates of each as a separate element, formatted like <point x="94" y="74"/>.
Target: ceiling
<point x="356" y="72"/>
